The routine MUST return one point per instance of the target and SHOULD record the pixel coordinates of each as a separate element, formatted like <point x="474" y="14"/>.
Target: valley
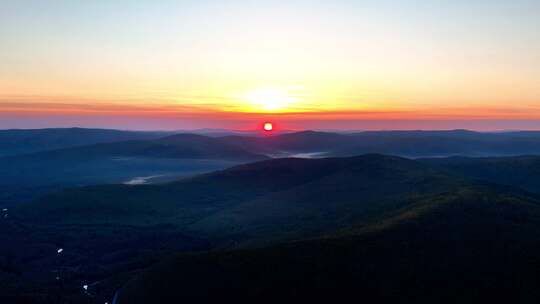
<point x="230" y="219"/>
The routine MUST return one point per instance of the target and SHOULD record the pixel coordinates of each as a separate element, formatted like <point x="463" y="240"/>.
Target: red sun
<point x="268" y="126"/>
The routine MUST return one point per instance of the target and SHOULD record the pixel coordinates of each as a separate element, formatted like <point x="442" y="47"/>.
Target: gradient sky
<point x="303" y="64"/>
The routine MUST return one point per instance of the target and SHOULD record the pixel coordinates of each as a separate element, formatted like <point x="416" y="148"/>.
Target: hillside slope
<point x="19" y="141"/>
<point x="472" y="245"/>
<point x="281" y="198"/>
<point x="188" y="146"/>
<point x="25" y="177"/>
<point x="110" y="232"/>
<point x="401" y="143"/>
<point x="518" y="171"/>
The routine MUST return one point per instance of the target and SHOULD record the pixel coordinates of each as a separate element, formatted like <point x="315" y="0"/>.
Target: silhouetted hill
<point x="226" y="132"/>
<point x="401" y="143"/>
<point x="295" y="142"/>
<point x="276" y="199"/>
<point x="19" y="141"/>
<point x="25" y="177"/>
<point x="386" y="227"/>
<point x="519" y="171"/>
<point x="175" y="146"/>
<point x="113" y="230"/>
<point x="472" y="245"/>
<point x="444" y="143"/>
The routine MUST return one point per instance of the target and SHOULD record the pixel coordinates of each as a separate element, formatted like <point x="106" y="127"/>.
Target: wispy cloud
<point x="44" y="106"/>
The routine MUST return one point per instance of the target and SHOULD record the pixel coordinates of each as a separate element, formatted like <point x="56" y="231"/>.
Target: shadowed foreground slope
<point x="474" y="245"/>
<point x="110" y="231"/>
<point x="260" y="201"/>
<point x="394" y="226"/>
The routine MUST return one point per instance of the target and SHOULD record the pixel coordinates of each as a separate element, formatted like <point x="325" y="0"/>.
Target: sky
<point x="407" y="64"/>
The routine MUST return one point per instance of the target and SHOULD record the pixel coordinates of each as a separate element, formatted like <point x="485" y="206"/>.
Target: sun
<point x="268" y="126"/>
<point x="270" y="99"/>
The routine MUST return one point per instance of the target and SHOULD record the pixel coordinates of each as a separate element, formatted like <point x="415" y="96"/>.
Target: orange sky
<point x="234" y="63"/>
<point x="62" y="113"/>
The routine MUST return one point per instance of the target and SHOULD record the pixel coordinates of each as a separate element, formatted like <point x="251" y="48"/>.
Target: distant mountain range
<point x="78" y="157"/>
<point x="26" y="176"/>
<point x="401" y="143"/>
<point x="179" y="146"/>
<point x="19" y="141"/>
